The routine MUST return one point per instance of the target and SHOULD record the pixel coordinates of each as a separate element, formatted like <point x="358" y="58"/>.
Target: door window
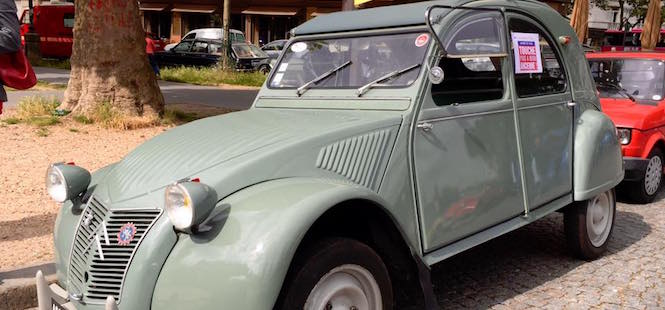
<point x="200" y="47"/>
<point x="473" y="62"/>
<point x="190" y="36"/>
<point x="183" y="46"/>
<point x="68" y="20"/>
<point x="538" y="67"/>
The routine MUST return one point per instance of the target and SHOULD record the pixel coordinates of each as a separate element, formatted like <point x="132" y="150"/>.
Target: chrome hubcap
<point x="347" y="287"/>
<point x="599" y="218"/>
<point x="653" y="175"/>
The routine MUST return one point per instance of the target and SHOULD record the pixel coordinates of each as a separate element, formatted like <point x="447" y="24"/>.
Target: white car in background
<point x="210" y="33"/>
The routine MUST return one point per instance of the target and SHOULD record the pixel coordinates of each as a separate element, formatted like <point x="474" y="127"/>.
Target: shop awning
<point x="275" y="11"/>
<point x="157" y="7"/>
<point x="193" y="8"/>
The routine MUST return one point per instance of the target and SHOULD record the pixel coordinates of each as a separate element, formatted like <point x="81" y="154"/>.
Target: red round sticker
<point x="422" y="39"/>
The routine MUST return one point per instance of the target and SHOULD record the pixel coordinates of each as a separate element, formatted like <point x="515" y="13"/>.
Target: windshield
<point x="248" y="51"/>
<point x="643" y="79"/>
<point x="370" y="57"/>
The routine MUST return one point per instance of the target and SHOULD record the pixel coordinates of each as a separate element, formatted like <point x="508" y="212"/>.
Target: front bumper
<point x="635" y="168"/>
<point x="48" y="295"/>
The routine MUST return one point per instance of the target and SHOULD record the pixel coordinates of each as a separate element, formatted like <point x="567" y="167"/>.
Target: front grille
<point x="90" y="275"/>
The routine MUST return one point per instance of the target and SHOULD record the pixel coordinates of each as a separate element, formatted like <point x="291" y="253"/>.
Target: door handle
<point x="426" y="127"/>
<point x="571" y="104"/>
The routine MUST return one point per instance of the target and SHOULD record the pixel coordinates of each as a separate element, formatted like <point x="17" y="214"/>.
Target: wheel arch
<point x="369" y="222"/>
<point x="654" y="141"/>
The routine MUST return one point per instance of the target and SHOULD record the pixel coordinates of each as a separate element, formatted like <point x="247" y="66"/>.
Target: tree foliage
<point x="640" y="8"/>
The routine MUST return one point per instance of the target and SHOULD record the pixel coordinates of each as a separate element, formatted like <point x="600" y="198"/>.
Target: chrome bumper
<point x="46" y="294"/>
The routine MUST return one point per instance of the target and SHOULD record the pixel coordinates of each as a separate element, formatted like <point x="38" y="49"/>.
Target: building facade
<point x="261" y="20"/>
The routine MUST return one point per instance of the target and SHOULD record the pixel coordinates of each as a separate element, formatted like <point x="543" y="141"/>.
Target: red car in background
<point x="54" y="23"/>
<point x="631" y="88"/>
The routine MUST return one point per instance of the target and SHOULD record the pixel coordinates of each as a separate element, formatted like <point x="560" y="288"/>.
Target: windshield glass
<point x="248" y="51"/>
<point x="370" y="57"/>
<point x="641" y="78"/>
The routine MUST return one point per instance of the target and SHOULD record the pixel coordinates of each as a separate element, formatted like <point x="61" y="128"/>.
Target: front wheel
<point x="264" y="69"/>
<point x="588" y="225"/>
<point x="338" y="274"/>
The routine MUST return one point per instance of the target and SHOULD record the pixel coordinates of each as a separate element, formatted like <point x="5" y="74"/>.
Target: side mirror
<point x="436" y="75"/>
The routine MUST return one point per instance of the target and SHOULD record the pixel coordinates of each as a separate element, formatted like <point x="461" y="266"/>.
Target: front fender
<point x="242" y="261"/>
<point x="655" y="137"/>
<point x="598" y="164"/>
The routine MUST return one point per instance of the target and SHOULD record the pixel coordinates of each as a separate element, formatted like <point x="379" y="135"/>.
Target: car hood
<point x="628" y="114"/>
<point x="243" y="147"/>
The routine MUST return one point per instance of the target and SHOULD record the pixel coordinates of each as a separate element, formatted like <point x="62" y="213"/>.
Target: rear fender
<point x="241" y="262"/>
<point x="598" y="164"/>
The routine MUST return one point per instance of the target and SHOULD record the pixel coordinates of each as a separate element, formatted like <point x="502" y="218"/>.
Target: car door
<point x="198" y="55"/>
<point x="178" y="54"/>
<point x="465" y="149"/>
<point x="544" y="115"/>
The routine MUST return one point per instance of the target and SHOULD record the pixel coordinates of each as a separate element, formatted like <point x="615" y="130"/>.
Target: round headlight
<point x="179" y="206"/>
<point x="56" y="185"/>
<point x="188" y="204"/>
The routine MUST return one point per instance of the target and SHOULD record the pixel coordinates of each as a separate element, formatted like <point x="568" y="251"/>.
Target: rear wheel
<point x="264" y="69"/>
<point x="645" y="190"/>
<point x="588" y="225"/>
<point x="338" y="274"/>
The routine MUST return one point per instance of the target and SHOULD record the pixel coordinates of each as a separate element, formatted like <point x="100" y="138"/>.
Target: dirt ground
<point x="27" y="214"/>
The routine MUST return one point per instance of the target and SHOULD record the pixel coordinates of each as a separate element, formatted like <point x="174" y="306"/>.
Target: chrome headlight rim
<point x="63" y="195"/>
<point x="624" y="135"/>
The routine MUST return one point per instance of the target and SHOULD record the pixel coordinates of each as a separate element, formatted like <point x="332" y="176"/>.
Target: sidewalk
<point x="234" y="99"/>
<point x="17" y="287"/>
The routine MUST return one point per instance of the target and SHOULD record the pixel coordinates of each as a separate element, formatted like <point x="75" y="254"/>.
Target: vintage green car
<point x="384" y="141"/>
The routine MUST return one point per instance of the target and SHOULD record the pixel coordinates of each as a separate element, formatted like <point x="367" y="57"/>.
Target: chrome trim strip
<point x="439" y="119"/>
<point x="541" y="105"/>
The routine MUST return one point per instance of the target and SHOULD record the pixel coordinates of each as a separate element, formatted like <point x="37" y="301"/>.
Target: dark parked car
<point x="274" y="48"/>
<point x="207" y="52"/>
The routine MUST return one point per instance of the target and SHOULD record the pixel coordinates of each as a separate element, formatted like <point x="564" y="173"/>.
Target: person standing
<point x="150" y="50"/>
<point x="10" y="38"/>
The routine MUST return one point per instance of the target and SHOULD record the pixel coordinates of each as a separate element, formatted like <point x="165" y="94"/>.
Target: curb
<point x="18" y="288"/>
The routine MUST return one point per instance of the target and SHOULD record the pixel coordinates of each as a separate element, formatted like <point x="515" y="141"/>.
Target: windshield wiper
<point x="376" y="83"/>
<point x="619" y="88"/>
<point x="302" y="89"/>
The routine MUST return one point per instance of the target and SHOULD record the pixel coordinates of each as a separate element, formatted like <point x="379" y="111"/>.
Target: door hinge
<point x="571" y="104"/>
<point x="425" y="126"/>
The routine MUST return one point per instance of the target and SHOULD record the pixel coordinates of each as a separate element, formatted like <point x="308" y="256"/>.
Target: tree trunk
<point x="621" y="15"/>
<point x="226" y="16"/>
<point x="109" y="61"/>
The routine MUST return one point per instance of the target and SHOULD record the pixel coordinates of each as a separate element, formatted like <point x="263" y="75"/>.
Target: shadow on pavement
<point x="517" y="262"/>
<point x="28" y="227"/>
<point x="229" y="99"/>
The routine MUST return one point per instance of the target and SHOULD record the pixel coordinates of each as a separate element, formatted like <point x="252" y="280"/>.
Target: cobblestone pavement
<point x="531" y="268"/>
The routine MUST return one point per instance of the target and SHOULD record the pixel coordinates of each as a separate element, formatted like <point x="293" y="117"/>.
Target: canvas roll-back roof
<point x="388" y="16"/>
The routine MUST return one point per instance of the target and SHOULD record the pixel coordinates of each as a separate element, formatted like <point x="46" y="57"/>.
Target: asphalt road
<point x="235" y="99"/>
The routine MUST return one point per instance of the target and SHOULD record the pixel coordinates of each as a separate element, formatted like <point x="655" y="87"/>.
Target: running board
<point x="496" y="231"/>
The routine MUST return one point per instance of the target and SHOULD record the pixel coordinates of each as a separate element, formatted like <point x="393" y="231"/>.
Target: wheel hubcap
<point x="599" y="218"/>
<point x="653" y="175"/>
<point x="347" y="287"/>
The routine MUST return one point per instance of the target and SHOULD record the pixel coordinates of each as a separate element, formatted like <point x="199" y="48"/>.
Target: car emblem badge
<point x="126" y="234"/>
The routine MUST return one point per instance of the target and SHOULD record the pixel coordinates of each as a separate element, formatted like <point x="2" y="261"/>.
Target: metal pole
<point x="31" y="29"/>
<point x="226" y="16"/>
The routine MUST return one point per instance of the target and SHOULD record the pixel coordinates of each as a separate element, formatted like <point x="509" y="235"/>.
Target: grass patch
<point x="109" y="117"/>
<point x="54" y="63"/>
<point x="176" y="117"/>
<point x="12" y="120"/>
<point x="212" y="76"/>
<point x="42" y="132"/>
<point x="46" y="85"/>
<point x="82" y="119"/>
<point x="43" y="121"/>
<point x="36" y="106"/>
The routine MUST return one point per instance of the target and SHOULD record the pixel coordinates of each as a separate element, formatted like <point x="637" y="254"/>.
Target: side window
<point x="183" y="46"/>
<point x="215" y="49"/>
<point x="472" y="68"/>
<point x="25" y="19"/>
<point x="190" y="36"/>
<point x="538" y="68"/>
<point x="68" y="20"/>
<point x="200" y="47"/>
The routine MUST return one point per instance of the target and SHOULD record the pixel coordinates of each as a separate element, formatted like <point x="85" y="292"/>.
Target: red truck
<point x="631" y="88"/>
<point x="54" y="24"/>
